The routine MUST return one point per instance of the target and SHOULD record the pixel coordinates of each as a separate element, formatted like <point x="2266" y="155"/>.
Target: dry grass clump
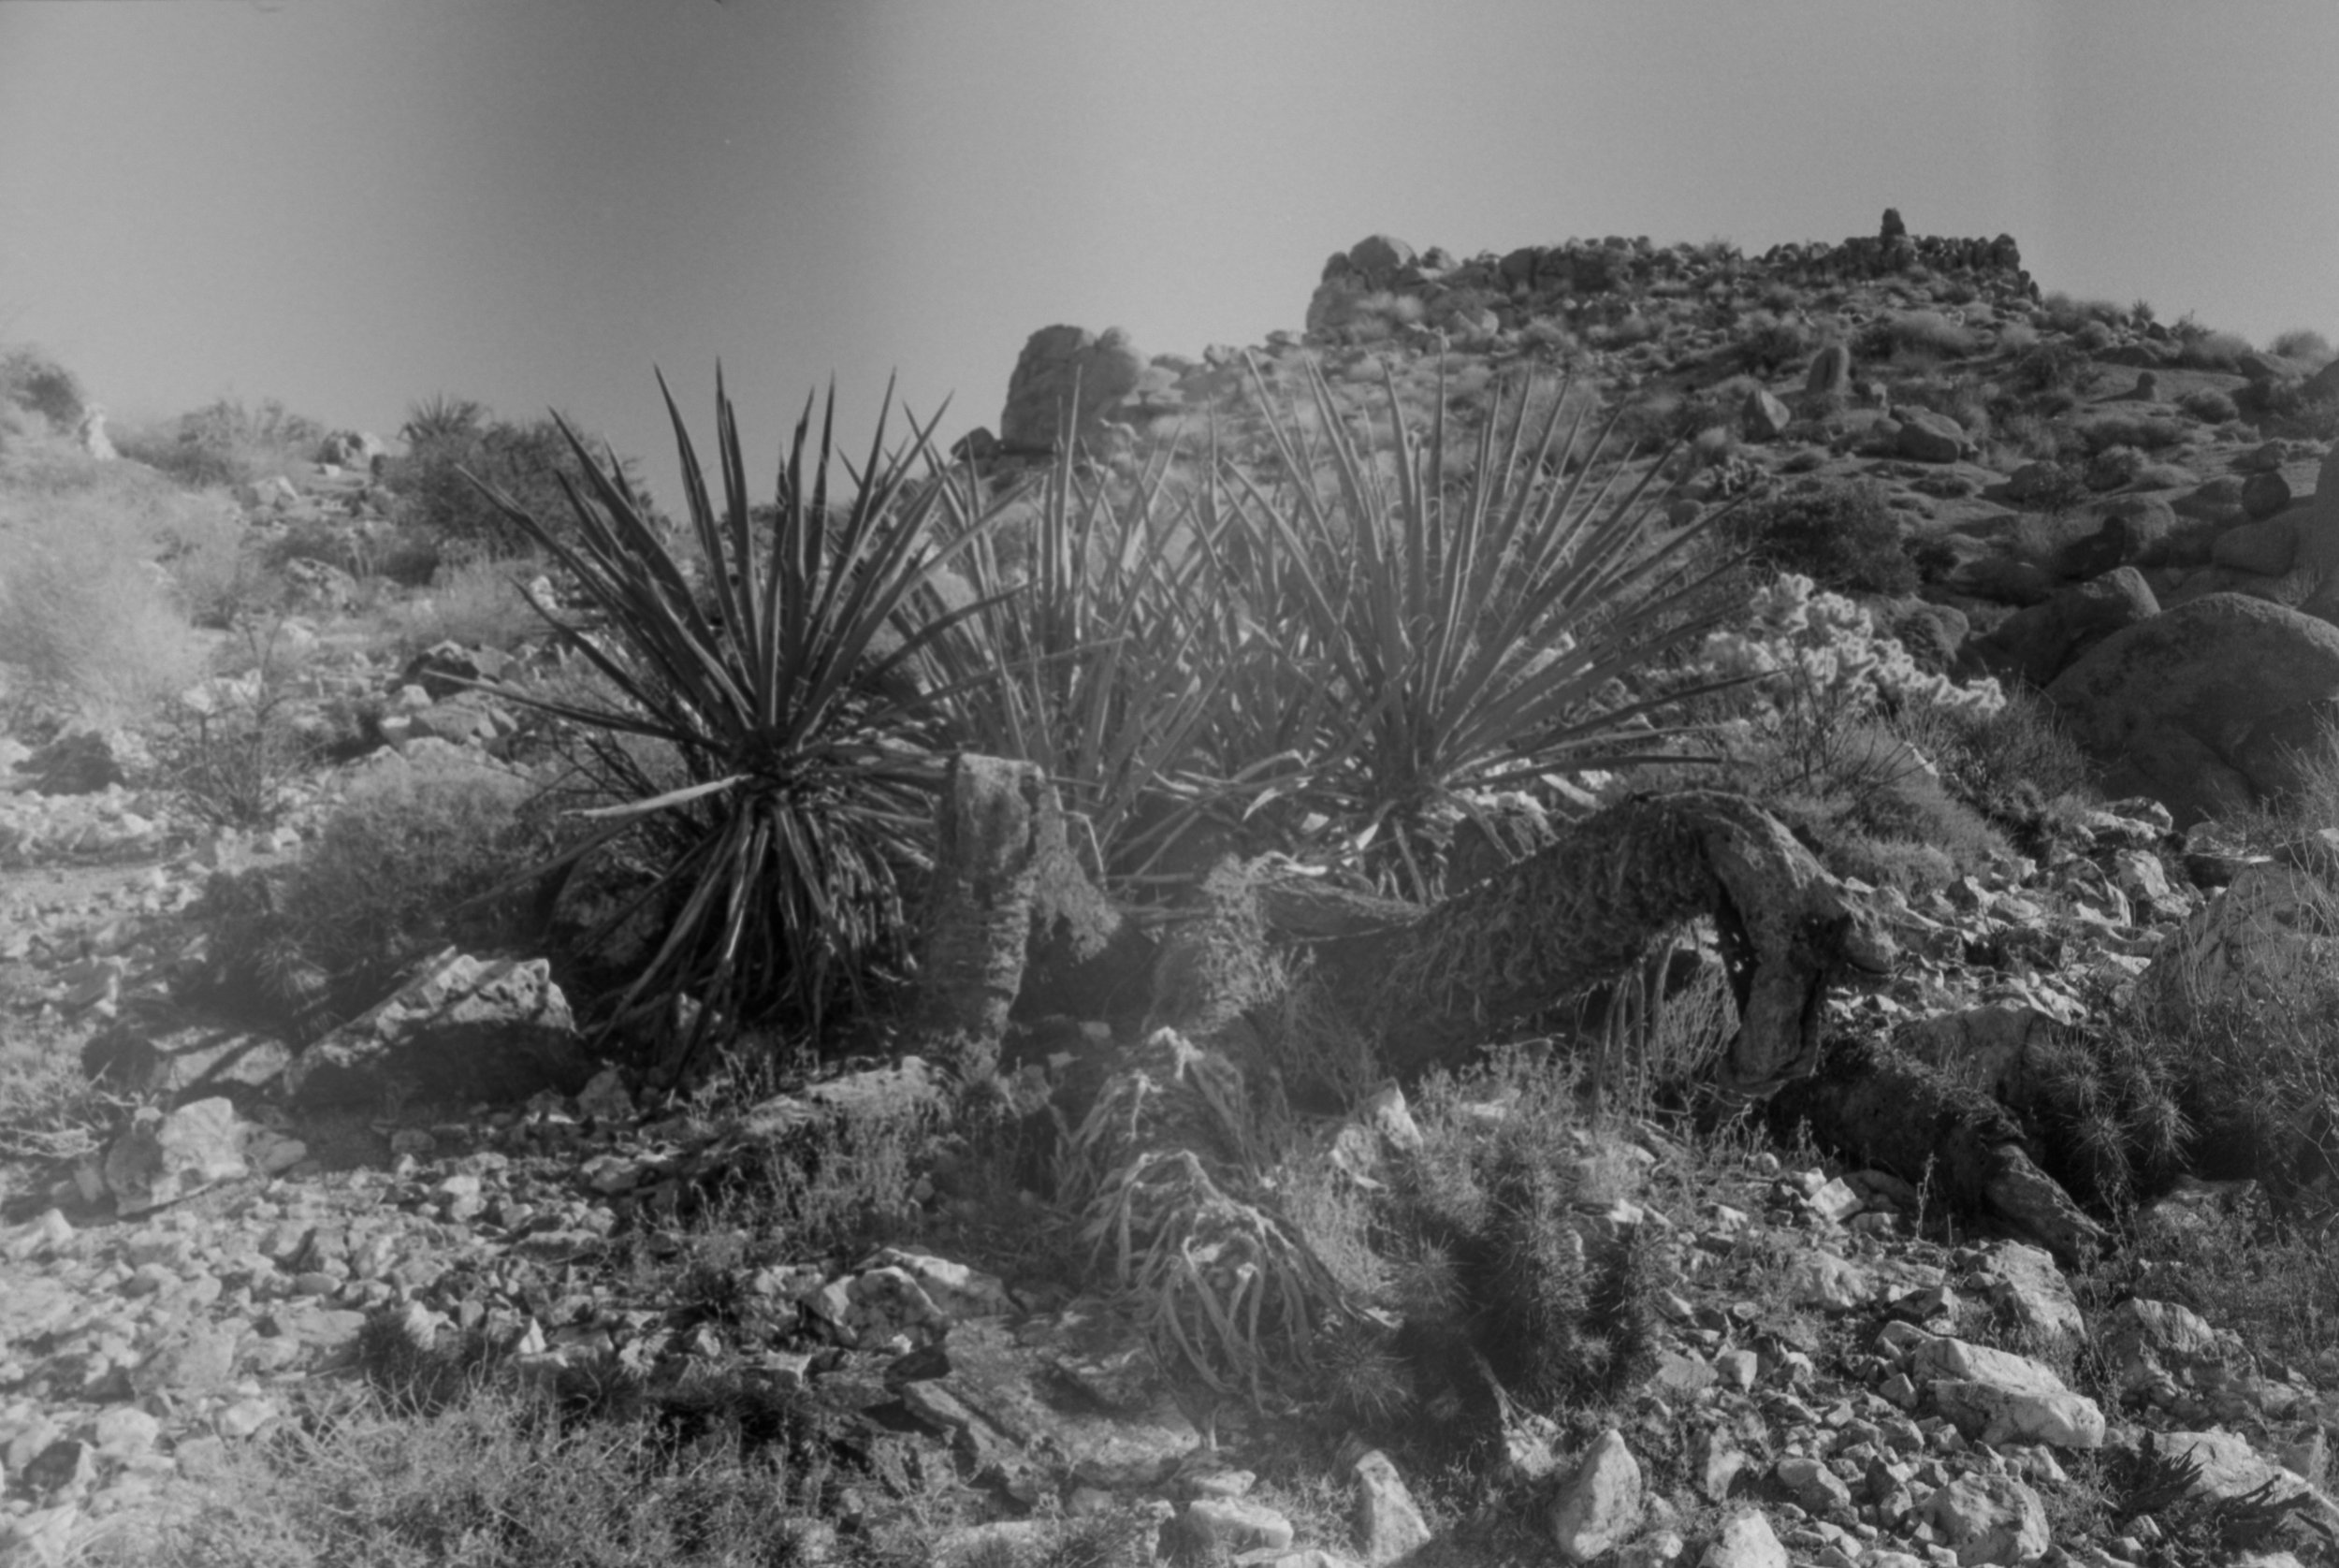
<point x="225" y="443"/>
<point x="90" y="615"/>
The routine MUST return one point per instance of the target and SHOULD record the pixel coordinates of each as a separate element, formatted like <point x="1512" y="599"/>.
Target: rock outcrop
<point x="2204" y="707"/>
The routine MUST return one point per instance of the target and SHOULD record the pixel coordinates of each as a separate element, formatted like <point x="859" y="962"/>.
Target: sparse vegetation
<point x="1840" y="534"/>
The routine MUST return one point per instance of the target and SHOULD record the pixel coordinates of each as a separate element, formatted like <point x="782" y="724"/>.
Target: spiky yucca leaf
<point x="1470" y="634"/>
<point x="777" y="679"/>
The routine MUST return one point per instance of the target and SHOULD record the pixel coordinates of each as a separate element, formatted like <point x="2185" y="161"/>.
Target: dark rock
<point x="2263" y="495"/>
<point x="1928" y="437"/>
<point x="2266" y="547"/>
<point x="75" y="764"/>
<point x="449" y="669"/>
<point x="2039" y="643"/>
<point x="463" y="1029"/>
<point x="1830" y="374"/>
<point x="1058" y="365"/>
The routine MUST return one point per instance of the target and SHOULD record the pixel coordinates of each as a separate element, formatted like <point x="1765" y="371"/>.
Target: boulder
<point x="463" y="1029"/>
<point x="82" y="763"/>
<point x="2261" y="942"/>
<point x="2263" y="495"/>
<point x="1601" y="1504"/>
<point x="1989" y="1518"/>
<point x="2266" y="548"/>
<point x="1746" y="1540"/>
<point x="1377" y="255"/>
<point x="1388" y="1523"/>
<point x="2203" y="706"/>
<point x="2039" y="643"/>
<point x="91" y="434"/>
<point x="2006" y="580"/>
<point x="1928" y="437"/>
<point x="1058" y="365"/>
<point x="1830" y="374"/>
<point x="1763" y="416"/>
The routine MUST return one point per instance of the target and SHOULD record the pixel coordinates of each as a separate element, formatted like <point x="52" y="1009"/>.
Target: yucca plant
<point x="777" y="679"/>
<point x="1099" y="651"/>
<point x="1446" y="639"/>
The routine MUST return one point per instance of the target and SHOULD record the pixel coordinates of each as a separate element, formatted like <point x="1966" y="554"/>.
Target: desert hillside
<point x="1620" y="902"/>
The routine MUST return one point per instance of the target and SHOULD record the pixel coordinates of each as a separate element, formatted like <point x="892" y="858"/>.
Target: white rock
<point x="1600" y="1505"/>
<point x="1388" y="1523"/>
<point x="1988" y="1519"/>
<point x="1746" y="1542"/>
<point x="1822" y="1279"/>
<point x="1236" y="1525"/>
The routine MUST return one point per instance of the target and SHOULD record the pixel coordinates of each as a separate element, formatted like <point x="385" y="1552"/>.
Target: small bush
<point x="454" y="446"/>
<point x="1843" y="535"/>
<point x="2211" y="351"/>
<point x="1916" y="333"/>
<point x="31" y="380"/>
<point x="1768" y="344"/>
<point x="2307" y="347"/>
<point x="225" y="443"/>
<point x="477" y="602"/>
<point x="2146" y="432"/>
<point x="2208" y="405"/>
<point x="2046" y="367"/>
<point x="395" y="873"/>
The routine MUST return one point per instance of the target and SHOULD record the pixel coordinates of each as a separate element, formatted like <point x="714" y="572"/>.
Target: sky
<point x="354" y="205"/>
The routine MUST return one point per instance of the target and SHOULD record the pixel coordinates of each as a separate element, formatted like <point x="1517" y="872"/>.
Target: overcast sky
<point x="353" y="204"/>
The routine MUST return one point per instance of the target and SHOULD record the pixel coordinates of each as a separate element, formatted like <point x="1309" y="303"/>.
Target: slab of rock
<point x="1763" y="416"/>
<point x="463" y="1029"/>
<point x="2031" y="1289"/>
<point x="2204" y="707"/>
<point x="1996" y="1395"/>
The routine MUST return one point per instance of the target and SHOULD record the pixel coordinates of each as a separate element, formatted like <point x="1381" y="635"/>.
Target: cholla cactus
<point x="1822" y="648"/>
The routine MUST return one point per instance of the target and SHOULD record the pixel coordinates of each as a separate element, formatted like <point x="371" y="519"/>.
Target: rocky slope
<point x="1836" y="1378"/>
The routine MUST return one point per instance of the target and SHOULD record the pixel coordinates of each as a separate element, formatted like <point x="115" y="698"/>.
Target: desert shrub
<point x="2066" y="314"/>
<point x="89" y="618"/>
<point x="225" y="443"/>
<point x="1766" y="344"/>
<point x="407" y="863"/>
<point x="2211" y="351"/>
<point x="455" y="445"/>
<point x="478" y="603"/>
<point x="2017" y="338"/>
<point x="2146" y="432"/>
<point x="2045" y="367"/>
<point x="29" y="379"/>
<point x="2305" y="346"/>
<point x="1843" y="535"/>
<point x="2288" y="407"/>
<point x="2208" y="405"/>
<point x="1830" y="735"/>
<point x="1914" y="333"/>
<point x="227" y="747"/>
